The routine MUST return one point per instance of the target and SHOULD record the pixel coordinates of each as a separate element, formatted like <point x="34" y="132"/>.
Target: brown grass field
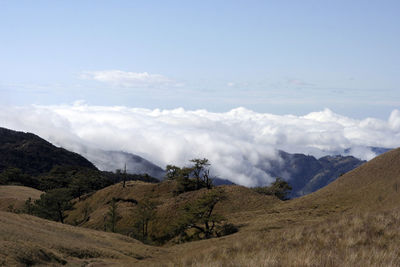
<point x="354" y="221"/>
<point x="12" y="196"/>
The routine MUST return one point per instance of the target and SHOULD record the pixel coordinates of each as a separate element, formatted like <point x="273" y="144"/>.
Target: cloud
<point x="239" y="143"/>
<point x="297" y="82"/>
<point x="127" y="79"/>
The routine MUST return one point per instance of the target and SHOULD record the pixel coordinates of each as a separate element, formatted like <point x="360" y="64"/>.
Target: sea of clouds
<point x="239" y="143"/>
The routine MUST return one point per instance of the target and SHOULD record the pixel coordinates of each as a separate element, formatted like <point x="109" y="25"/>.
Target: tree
<point x="53" y="204"/>
<point x="28" y="206"/>
<point x="124" y="177"/>
<point x="194" y="177"/>
<point x="280" y="188"/>
<point x="201" y="172"/>
<point x="16" y="176"/>
<point x="112" y="216"/>
<point x="144" y="214"/>
<point x="172" y="172"/>
<point x="200" y="214"/>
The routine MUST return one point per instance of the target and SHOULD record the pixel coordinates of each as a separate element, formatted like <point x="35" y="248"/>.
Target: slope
<point x="373" y="186"/>
<point x="307" y="174"/>
<point x="26" y="240"/>
<point x="34" y="155"/>
<point x="13" y="197"/>
<point x="90" y="212"/>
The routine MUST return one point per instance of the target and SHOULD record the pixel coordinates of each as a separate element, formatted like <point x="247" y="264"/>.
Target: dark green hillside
<point x="26" y="159"/>
<point x="34" y="155"/>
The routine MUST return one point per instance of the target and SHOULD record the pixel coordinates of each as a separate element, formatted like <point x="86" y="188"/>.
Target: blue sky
<point x="276" y="57"/>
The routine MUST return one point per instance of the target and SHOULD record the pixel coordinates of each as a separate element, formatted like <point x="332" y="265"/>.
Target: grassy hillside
<point x="373" y="186"/>
<point x="26" y="240"/>
<point x="355" y="221"/>
<point x="15" y="196"/>
<point x="238" y="206"/>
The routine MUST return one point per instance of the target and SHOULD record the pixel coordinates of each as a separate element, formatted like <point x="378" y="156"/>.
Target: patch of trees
<point x="112" y="216"/>
<point x="51" y="205"/>
<point x="144" y="214"/>
<point x="78" y="180"/>
<point x="15" y="176"/>
<point x="190" y="178"/>
<point x="279" y="188"/>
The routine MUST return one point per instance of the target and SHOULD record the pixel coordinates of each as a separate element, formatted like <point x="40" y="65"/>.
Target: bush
<point x="280" y="188"/>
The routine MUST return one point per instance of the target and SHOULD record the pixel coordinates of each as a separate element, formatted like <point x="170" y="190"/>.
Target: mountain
<point x="34" y="155"/>
<point x="307" y="174"/>
<point x="373" y="186"/>
<point x="113" y="160"/>
<point x="26" y="159"/>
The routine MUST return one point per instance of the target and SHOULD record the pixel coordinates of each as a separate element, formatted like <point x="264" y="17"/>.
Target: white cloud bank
<point x="237" y="142"/>
<point x="127" y="79"/>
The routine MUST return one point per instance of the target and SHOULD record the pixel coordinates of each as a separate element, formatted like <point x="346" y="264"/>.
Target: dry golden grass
<point x="15" y="196"/>
<point x="354" y="221"/>
<point x="27" y="240"/>
<point x="238" y="208"/>
<point x="371" y="239"/>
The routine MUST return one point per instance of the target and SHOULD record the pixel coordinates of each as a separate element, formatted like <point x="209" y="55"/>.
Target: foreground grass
<point x="26" y="240"/>
<point x="348" y="240"/>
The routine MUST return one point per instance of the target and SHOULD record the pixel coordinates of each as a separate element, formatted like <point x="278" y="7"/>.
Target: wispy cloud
<point x="128" y="79"/>
<point x="298" y="82"/>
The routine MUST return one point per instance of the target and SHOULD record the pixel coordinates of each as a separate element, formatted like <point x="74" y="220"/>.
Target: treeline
<point x="61" y="185"/>
<point x="78" y="180"/>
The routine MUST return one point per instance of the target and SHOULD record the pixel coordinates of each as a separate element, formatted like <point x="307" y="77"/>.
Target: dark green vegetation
<point x="28" y="160"/>
<point x="280" y="188"/>
<point x="199" y="215"/>
<point x="33" y="155"/>
<point x="193" y="177"/>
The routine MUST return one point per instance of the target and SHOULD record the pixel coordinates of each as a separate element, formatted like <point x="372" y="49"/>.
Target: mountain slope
<point x="240" y="200"/>
<point x="307" y="174"/>
<point x="112" y="160"/>
<point x="373" y="186"/>
<point x="34" y="155"/>
<point x="26" y="240"/>
<point x="354" y="221"/>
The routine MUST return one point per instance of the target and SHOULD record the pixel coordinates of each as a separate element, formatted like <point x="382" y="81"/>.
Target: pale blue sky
<point x="269" y="56"/>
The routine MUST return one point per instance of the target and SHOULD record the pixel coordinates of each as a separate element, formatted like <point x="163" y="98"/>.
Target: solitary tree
<point x="280" y="188"/>
<point x="201" y="172"/>
<point x="124" y="176"/>
<point x="28" y="206"/>
<point x="53" y="204"/>
<point x="200" y="215"/>
<point x="112" y="216"/>
<point x="172" y="172"/>
<point x="144" y="214"/>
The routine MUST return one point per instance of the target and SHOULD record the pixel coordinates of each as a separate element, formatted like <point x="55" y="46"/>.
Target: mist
<point x="239" y="143"/>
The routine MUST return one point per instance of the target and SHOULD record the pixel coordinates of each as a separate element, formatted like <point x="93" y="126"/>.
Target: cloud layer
<point x="127" y="79"/>
<point x="238" y="143"/>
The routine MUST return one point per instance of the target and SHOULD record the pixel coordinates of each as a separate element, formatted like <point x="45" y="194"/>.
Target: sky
<point x="279" y="57"/>
<point x="231" y="81"/>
